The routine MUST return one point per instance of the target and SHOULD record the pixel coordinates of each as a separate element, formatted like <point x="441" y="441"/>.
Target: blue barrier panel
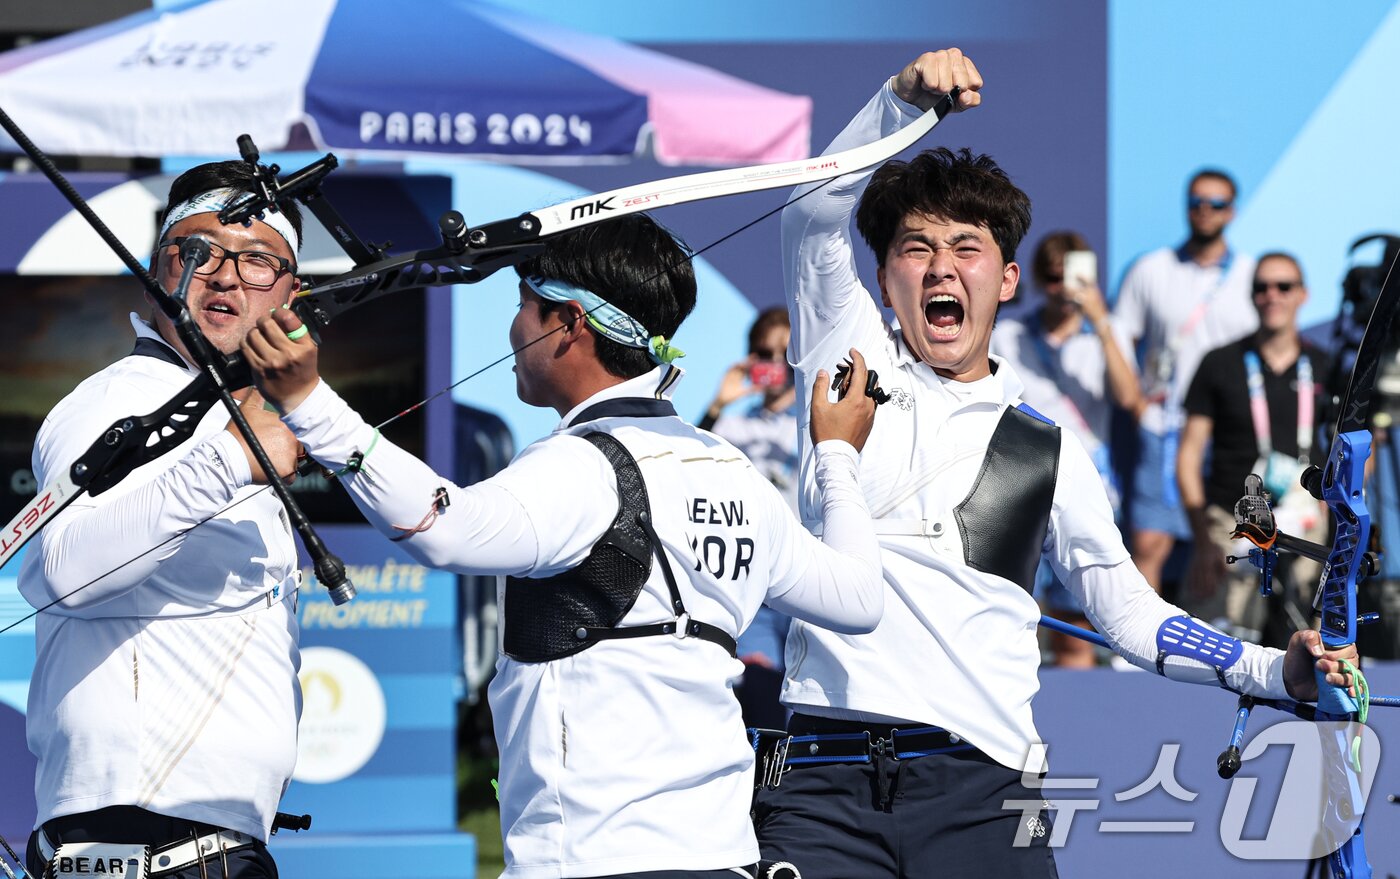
<point x="352" y="856"/>
<point x="16" y="666"/>
<point x="376" y="753"/>
<point x="1114" y="734"/>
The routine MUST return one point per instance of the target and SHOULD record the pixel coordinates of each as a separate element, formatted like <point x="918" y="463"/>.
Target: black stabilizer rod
<point x="330" y="571"/>
<point x="286" y="821"/>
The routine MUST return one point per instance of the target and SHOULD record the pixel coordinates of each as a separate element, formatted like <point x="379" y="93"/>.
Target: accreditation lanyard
<point x="1166" y="362"/>
<point x="1259" y="405"/>
<point x="1054" y="370"/>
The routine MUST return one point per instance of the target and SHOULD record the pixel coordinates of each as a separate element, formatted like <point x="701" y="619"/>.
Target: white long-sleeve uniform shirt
<point x="956" y="647"/>
<point x="631" y="755"/>
<point x="165" y="675"/>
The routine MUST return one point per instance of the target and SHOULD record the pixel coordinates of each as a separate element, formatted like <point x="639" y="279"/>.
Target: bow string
<point x="466" y="256"/>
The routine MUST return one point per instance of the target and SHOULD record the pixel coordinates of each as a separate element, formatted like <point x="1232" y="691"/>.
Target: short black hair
<point x="1052" y="247"/>
<point x="233" y="174"/>
<point x="633" y="263"/>
<point x="959" y="187"/>
<point x="1213" y="174"/>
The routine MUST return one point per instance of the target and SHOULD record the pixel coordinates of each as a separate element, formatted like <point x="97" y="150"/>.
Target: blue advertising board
<point x="376" y="749"/>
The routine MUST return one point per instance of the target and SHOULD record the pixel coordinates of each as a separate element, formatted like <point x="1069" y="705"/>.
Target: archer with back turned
<point x="635" y="548"/>
<point x="908" y="742"/>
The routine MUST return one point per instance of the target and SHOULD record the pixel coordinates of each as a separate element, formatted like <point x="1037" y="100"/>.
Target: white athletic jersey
<point x="1169" y="301"/>
<point x="769" y="440"/>
<point x="631" y="755"/>
<point x="170" y="683"/>
<point x="956" y="647"/>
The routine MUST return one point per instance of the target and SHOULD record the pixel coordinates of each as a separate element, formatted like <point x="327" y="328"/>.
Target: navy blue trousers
<point x="677" y="874"/>
<point x="936" y="816"/>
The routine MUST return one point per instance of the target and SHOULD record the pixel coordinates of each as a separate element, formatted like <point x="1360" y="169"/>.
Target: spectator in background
<point x="1177" y="304"/>
<point x="1253" y="403"/>
<point x="1071" y="360"/>
<point x="767" y="430"/>
<point x="767" y="433"/>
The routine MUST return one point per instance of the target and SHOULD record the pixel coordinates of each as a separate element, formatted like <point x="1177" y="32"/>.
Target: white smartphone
<point x="1081" y="268"/>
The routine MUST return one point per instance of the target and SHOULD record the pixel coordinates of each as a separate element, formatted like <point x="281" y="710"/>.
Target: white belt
<point x="176" y="856"/>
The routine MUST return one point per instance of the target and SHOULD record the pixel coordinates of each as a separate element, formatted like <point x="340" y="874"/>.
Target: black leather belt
<point x="175" y="843"/>
<point x="175" y="856"/>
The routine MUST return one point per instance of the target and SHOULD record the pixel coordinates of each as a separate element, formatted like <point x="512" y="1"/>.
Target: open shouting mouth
<point x="944" y="314"/>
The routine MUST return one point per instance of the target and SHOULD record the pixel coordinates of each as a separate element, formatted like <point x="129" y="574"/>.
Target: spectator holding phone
<point x="1068" y="352"/>
<point x="1071" y="360"/>
<point x="767" y="433"/>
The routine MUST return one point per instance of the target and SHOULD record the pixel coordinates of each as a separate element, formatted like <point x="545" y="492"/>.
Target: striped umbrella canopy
<point x="412" y="77"/>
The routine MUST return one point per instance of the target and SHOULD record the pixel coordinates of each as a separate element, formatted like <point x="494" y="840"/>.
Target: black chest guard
<point x="1004" y="517"/>
<point x="554" y="617"/>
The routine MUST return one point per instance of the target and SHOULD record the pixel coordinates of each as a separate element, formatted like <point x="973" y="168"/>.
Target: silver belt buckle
<point x="101" y="860"/>
<point x="778" y="764"/>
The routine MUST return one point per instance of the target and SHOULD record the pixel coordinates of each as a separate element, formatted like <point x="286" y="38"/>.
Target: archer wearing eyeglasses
<point x="1176" y="304"/>
<point x="164" y="703"/>
<point x="1255" y="402"/>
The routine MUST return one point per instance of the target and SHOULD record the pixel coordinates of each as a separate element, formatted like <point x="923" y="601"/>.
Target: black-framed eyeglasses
<point x="256" y="268"/>
<point x="1195" y="203"/>
<point x="1262" y="287"/>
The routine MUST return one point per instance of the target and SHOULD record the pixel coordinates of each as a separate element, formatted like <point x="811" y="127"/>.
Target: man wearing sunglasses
<point x="1254" y="402"/>
<point x="164" y="702"/>
<point x="1176" y="304"/>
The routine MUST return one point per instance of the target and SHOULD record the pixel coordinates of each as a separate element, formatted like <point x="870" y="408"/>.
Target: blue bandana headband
<point x="606" y="319"/>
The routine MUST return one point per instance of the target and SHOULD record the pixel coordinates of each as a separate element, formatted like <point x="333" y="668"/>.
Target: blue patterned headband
<point x="606" y="319"/>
